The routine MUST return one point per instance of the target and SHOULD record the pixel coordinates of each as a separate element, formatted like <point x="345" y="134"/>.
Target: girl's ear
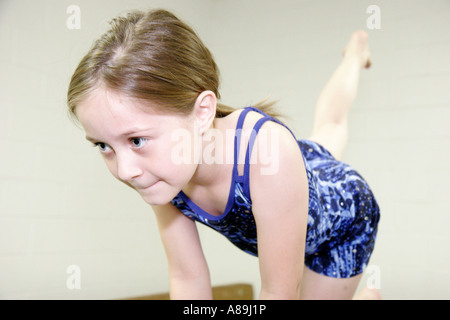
<point x="205" y="109"/>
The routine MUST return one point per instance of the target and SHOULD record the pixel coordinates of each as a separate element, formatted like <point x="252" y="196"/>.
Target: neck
<point x="213" y="164"/>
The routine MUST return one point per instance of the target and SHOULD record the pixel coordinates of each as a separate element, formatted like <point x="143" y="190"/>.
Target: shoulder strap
<point x="245" y="178"/>
<point x="237" y="142"/>
<point x="238" y="137"/>
<point x="251" y="143"/>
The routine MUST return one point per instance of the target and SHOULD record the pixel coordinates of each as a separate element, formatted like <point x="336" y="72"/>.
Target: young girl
<point x="147" y="95"/>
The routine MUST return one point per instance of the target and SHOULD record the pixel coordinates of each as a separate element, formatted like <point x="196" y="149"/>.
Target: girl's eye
<point x="138" y="142"/>
<point x="103" y="147"/>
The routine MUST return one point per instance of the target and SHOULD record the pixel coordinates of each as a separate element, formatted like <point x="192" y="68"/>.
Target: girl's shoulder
<point x="230" y="121"/>
<point x="270" y="133"/>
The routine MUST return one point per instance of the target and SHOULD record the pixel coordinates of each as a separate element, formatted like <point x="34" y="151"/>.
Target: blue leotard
<point x="343" y="214"/>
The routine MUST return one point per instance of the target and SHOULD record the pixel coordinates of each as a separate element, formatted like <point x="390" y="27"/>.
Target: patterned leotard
<point x="343" y="214"/>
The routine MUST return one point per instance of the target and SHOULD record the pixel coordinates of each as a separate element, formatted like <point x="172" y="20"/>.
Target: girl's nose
<point x="128" y="168"/>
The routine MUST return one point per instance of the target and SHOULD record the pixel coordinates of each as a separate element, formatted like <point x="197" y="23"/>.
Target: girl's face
<point x="137" y="144"/>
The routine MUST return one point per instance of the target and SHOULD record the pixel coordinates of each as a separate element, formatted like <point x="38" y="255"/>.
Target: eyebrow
<point x="125" y="134"/>
<point x="90" y="139"/>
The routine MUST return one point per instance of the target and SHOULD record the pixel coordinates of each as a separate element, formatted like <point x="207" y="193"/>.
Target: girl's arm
<point x="280" y="207"/>
<point x="188" y="270"/>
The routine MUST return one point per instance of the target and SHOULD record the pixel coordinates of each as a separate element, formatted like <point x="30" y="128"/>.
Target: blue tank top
<point x="340" y="204"/>
<point x="237" y="222"/>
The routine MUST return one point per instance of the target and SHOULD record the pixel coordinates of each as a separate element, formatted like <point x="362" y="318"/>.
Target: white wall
<point x="59" y="206"/>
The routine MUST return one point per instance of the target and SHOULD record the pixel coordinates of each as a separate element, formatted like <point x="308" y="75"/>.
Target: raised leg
<point x="330" y="127"/>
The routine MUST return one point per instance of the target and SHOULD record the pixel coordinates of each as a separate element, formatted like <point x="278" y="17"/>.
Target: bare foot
<point x="368" y="294"/>
<point x="359" y="46"/>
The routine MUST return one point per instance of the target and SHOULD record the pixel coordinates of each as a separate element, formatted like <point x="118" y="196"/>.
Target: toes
<point x="368" y="63"/>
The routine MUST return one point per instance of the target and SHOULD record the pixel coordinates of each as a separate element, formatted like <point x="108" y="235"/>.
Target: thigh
<point x="320" y="287"/>
<point x="332" y="137"/>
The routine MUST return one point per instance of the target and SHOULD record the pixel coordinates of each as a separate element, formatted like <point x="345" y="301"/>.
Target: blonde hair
<point x="151" y="56"/>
